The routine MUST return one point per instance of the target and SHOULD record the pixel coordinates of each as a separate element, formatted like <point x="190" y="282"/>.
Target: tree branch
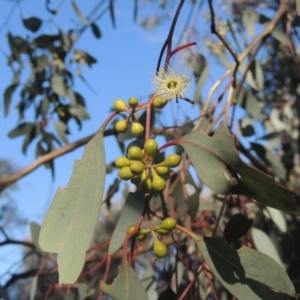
<point x="4" y="183"/>
<point x="282" y="10"/>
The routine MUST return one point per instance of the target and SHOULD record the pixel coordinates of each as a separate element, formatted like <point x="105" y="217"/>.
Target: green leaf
<point x="245" y="273"/>
<point x="249" y="19"/>
<point x="251" y="104"/>
<point x="58" y="85"/>
<point x="96" y="31"/>
<point x="178" y="197"/>
<point x="70" y="222"/>
<point x="7" y="97"/>
<point x="126" y="286"/>
<point x="33" y="24"/>
<point x="277" y="217"/>
<point x="249" y="76"/>
<point x="215" y="158"/>
<point x="270" y="159"/>
<point x="35" y="233"/>
<point x="15" y="49"/>
<point x="21" y="129"/>
<point x="132" y="211"/>
<point x="82" y="290"/>
<point x="61" y="129"/>
<point x="277" y="33"/>
<point x="30" y="136"/>
<point x="79" y="14"/>
<point x="259" y="76"/>
<point x="200" y="83"/>
<point x="79" y="111"/>
<point x="192" y="201"/>
<point x="265" y="245"/>
<point x="72" y="97"/>
<point x="44" y="106"/>
<point x="33" y="287"/>
<point x="237" y="227"/>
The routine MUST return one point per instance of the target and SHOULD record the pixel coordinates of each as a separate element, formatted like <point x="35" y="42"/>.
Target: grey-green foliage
<point x="246" y="273"/>
<point x="51" y="60"/>
<point x="71" y="220"/>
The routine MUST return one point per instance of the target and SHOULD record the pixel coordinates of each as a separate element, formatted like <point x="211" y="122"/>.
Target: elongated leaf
<point x="249" y="76"/>
<point x="43" y="107"/>
<point x="251" y="104"/>
<point x="131" y="213"/>
<point x="278" y="218"/>
<point x="79" y="111"/>
<point x="215" y="157"/>
<point x="246" y="273"/>
<point x="35" y="233"/>
<point x="30" y="136"/>
<point x="61" y="129"/>
<point x="200" y="83"/>
<point x="126" y="286"/>
<point x="259" y="76"/>
<point x="277" y="33"/>
<point x="79" y="13"/>
<point x="21" y="129"/>
<point x="270" y="159"/>
<point x="264" y="244"/>
<point x="7" y="97"/>
<point x="33" y="287"/>
<point x="58" y="85"/>
<point x="249" y="18"/>
<point x="96" y="31"/>
<point x="70" y="222"/>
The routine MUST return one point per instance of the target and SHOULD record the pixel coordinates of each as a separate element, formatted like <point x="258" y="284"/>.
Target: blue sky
<point x="127" y="58"/>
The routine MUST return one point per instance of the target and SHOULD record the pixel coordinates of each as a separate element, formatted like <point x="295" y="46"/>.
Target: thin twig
<point x="4" y="183"/>
<point x="215" y="31"/>
<point x="283" y="8"/>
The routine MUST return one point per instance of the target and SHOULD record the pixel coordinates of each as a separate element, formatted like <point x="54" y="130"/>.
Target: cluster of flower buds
<point x="159" y="248"/>
<point x="137" y="129"/>
<point x="139" y="165"/>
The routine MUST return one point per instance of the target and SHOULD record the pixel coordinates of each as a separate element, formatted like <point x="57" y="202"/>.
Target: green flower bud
<point x="125" y="173"/>
<point x="172" y="161"/>
<point x="130" y="228"/>
<point x="161" y="231"/>
<point x="151" y="147"/>
<point x="161" y="170"/>
<point x="133" y="102"/>
<point x="160" y="249"/>
<point x="137" y="129"/>
<point x="159" y="102"/>
<point x="137" y="167"/>
<point x="122" y="161"/>
<point x="135" y="153"/>
<point x="146" y="182"/>
<point x="168" y="224"/>
<point x="120" y="105"/>
<point x="122" y="126"/>
<point x="158" y="183"/>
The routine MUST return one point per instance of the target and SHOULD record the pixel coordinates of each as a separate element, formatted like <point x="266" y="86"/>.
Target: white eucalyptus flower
<point x="170" y="85"/>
